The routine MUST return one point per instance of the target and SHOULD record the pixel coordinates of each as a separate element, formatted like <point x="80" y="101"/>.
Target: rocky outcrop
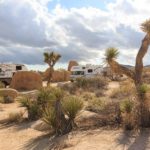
<point x="26" y="80"/>
<point x="72" y="63"/>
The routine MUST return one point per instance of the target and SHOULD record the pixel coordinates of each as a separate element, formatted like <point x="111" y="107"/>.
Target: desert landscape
<point x="74" y="75"/>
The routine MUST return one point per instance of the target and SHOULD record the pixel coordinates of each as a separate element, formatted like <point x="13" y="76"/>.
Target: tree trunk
<point x="144" y="113"/>
<point x="119" y="69"/>
<point x="63" y="125"/>
<point x="51" y="70"/>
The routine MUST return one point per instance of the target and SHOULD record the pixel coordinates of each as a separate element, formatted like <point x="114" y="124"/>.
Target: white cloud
<point x="28" y="28"/>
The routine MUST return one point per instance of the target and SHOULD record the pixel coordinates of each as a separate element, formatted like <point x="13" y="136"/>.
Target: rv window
<point x="90" y="70"/>
<point x="18" y="67"/>
<point x="78" y="73"/>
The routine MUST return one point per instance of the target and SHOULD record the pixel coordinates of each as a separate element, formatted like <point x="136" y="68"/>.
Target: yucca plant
<point x="72" y="105"/>
<point x="145" y="26"/>
<point x="34" y="111"/>
<point x="111" y="53"/>
<point x="143" y="89"/>
<point x="45" y="96"/>
<point x="51" y="59"/>
<point x="49" y="117"/>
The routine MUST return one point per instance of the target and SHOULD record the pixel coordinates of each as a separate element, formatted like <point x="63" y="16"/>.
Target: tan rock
<point x="26" y="80"/>
<point x="8" y="92"/>
<point x="72" y="63"/>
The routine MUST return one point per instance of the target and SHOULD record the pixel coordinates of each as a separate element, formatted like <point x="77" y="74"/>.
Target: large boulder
<point x="26" y="80"/>
<point x="12" y="93"/>
<point x="71" y="64"/>
<point x="58" y="75"/>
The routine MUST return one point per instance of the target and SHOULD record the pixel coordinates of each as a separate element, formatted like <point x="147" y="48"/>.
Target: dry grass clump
<point x="92" y="83"/>
<point x="96" y="104"/>
<point x="87" y="96"/>
<point x="16" y="117"/>
<point x="2" y="85"/>
<point x="125" y="91"/>
<point x="127" y="107"/>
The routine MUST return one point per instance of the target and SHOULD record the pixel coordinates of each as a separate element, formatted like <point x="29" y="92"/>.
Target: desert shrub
<point x="34" y="111"/>
<point x="143" y="89"/>
<point x="2" y="85"/>
<point x="87" y="96"/>
<point x="126" y="108"/>
<point x="96" y="105"/>
<point x="92" y="83"/>
<point x="99" y="93"/>
<point x="71" y="88"/>
<point x="45" y="96"/>
<point x="122" y="92"/>
<point x="1" y="99"/>
<point x="72" y="105"/>
<point x="15" y="117"/>
<point x="7" y="99"/>
<point x="49" y="117"/>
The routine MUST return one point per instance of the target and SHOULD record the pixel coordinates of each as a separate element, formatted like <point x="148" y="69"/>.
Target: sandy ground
<point x="23" y="137"/>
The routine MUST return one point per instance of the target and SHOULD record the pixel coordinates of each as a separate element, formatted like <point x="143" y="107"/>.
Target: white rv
<point x="8" y="70"/>
<point x="85" y="71"/>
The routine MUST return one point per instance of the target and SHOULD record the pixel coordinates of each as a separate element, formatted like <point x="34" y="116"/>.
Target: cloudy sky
<point x="77" y="29"/>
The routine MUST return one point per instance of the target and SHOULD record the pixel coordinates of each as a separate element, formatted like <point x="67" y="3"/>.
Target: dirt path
<point x="19" y="136"/>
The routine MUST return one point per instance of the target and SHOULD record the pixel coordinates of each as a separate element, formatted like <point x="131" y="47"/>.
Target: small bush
<point x="96" y="105"/>
<point x="34" y="111"/>
<point x="72" y="105"/>
<point x="2" y="85"/>
<point x="49" y="117"/>
<point x="126" y="108"/>
<point x="122" y="92"/>
<point x="15" y="117"/>
<point x="44" y="96"/>
<point x="143" y="89"/>
<point x="87" y="96"/>
<point x="99" y="93"/>
<point x="92" y="83"/>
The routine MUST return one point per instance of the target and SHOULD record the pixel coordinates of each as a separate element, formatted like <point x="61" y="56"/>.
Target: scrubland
<point x="99" y="114"/>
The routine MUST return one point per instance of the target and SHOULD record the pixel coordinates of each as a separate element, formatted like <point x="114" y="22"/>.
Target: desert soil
<point x="22" y="137"/>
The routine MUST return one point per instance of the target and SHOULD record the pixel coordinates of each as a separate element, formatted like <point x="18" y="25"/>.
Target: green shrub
<point x="49" y="117"/>
<point x="143" y="89"/>
<point x="123" y="92"/>
<point x="96" y="105"/>
<point x="92" y="83"/>
<point x="72" y="105"/>
<point x="2" y="85"/>
<point x="126" y="106"/>
<point x="44" y="96"/>
<point x="128" y="116"/>
<point x="34" y="111"/>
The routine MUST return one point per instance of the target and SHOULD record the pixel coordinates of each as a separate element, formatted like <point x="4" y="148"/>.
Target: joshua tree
<point x="51" y="59"/>
<point x="111" y="55"/>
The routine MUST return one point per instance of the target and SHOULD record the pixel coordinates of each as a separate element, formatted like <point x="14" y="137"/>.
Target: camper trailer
<point x="85" y="71"/>
<point x="8" y="70"/>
